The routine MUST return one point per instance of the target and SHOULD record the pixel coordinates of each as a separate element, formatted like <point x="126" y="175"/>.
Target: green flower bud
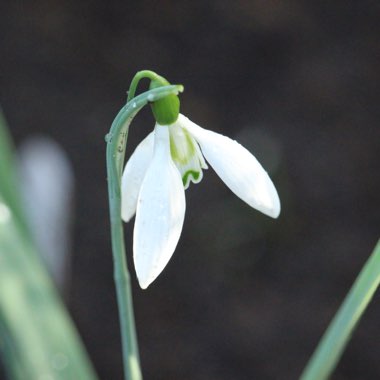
<point x="165" y="110"/>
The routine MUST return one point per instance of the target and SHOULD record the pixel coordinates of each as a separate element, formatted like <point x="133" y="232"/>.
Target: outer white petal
<point x="133" y="176"/>
<point x="160" y="212"/>
<point x="238" y="168"/>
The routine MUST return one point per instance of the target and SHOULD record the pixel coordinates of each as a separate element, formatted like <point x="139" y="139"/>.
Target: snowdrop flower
<point x="162" y="167"/>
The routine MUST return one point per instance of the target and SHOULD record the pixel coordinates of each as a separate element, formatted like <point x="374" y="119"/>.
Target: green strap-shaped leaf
<point x="334" y="341"/>
<point x="37" y="337"/>
<point x="8" y="175"/>
<point x="42" y="335"/>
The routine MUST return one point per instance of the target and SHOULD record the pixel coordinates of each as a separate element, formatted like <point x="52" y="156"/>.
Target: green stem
<point x="136" y="79"/>
<point x="116" y="144"/>
<point x="336" y="337"/>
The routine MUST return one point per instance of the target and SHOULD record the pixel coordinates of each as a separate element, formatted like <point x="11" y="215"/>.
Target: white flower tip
<point x="144" y="283"/>
<point x="265" y="198"/>
<point x="126" y="219"/>
<point x="127" y="211"/>
<point x="148" y="271"/>
<point x="276" y="213"/>
<point x="275" y="210"/>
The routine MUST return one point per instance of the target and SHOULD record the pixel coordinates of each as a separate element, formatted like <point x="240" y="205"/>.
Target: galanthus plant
<point x="152" y="186"/>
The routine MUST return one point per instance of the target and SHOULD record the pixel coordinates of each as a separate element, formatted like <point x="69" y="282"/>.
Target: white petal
<point x="160" y="212"/>
<point x="238" y="168"/>
<point x="133" y="176"/>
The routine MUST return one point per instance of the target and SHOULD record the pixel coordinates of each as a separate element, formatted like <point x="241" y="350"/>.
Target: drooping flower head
<point x="162" y="167"/>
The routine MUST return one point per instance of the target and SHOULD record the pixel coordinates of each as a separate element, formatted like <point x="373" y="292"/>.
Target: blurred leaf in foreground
<point x="37" y="337"/>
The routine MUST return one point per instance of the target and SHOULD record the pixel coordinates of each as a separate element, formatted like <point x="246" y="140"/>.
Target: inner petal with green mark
<point x="186" y="155"/>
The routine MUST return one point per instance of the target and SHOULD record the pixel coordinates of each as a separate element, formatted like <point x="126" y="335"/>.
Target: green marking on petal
<point x="186" y="155"/>
<point x="181" y="145"/>
<point x="195" y="176"/>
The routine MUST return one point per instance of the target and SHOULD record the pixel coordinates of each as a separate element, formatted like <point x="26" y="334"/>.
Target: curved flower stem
<point x="116" y="144"/>
<point x="336" y="337"/>
<point x="136" y="79"/>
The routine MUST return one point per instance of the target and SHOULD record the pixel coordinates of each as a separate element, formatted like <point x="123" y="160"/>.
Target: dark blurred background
<point x="297" y="82"/>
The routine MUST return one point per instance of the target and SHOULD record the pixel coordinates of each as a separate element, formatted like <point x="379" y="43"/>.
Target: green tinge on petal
<point x="194" y="177"/>
<point x="186" y="155"/>
<point x="181" y="145"/>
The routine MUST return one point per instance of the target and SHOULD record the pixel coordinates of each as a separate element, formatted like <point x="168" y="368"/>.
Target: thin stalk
<point x="136" y="79"/>
<point x="336" y="337"/>
<point x="116" y="144"/>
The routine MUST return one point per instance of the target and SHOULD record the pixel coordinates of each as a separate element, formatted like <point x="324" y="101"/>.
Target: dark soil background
<point x="298" y="83"/>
